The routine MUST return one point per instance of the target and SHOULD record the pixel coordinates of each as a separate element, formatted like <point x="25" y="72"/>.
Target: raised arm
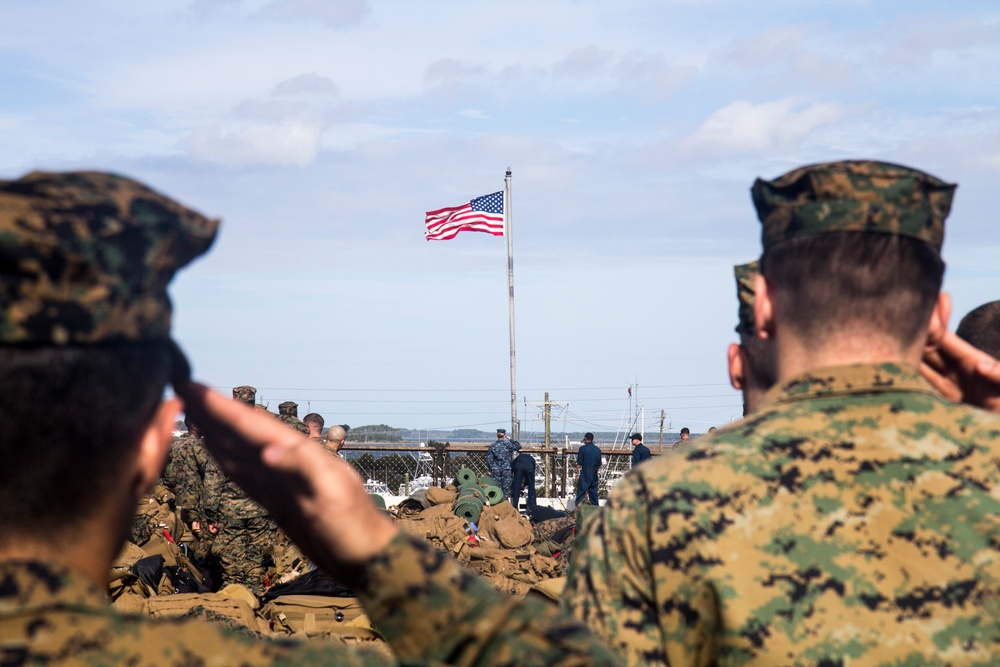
<point x="423" y="601"/>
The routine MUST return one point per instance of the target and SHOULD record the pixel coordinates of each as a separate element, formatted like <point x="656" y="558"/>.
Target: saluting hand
<point x="963" y="373"/>
<point x="318" y="499"/>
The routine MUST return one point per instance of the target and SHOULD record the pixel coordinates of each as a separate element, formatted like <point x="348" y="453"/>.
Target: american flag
<point x="482" y="214"/>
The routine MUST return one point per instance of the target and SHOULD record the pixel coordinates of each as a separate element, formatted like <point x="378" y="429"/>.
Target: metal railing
<point x="398" y="470"/>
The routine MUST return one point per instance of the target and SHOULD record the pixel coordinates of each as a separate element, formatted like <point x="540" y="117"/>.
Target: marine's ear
<point x="763" y="308"/>
<point x="737" y="377"/>
<point x="938" y="324"/>
<point x="154" y="445"/>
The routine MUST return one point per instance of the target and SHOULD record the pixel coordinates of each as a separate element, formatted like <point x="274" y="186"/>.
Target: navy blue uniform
<point x="524" y="473"/>
<point x="588" y="457"/>
<point x="640" y="453"/>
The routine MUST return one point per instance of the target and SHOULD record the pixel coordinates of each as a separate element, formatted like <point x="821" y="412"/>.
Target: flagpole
<point x="515" y="425"/>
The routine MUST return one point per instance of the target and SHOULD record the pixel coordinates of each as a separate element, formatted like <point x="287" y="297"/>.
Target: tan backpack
<point x="239" y="611"/>
<point x="513" y="532"/>
<point x="320" y="616"/>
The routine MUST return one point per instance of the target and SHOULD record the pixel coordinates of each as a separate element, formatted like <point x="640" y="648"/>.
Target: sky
<point x="321" y="131"/>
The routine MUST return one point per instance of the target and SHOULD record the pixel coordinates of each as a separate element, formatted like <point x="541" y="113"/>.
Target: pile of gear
<point x="157" y="574"/>
<point x="158" y="571"/>
<point x="473" y="521"/>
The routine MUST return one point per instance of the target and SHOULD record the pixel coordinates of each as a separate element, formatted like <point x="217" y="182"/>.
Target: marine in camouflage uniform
<point x="246" y="534"/>
<point x="851" y="520"/>
<point x="184" y="474"/>
<point x="429" y="608"/>
<point x="288" y="412"/>
<point x="498" y="461"/>
<point x="92" y="255"/>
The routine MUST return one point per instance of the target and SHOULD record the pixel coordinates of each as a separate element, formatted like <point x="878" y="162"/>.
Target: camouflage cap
<point x="85" y="257"/>
<point x="245" y="393"/>
<point x="746" y="274"/>
<point x="853" y="195"/>
<point x="288" y="408"/>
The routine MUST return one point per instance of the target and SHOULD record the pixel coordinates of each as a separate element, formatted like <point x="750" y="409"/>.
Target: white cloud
<point x="583" y="62"/>
<point x="292" y="141"/>
<point x="744" y="127"/>
<point x="915" y="42"/>
<point x="477" y="114"/>
<point x="332" y="13"/>
<point x="451" y="70"/>
<point x="306" y="85"/>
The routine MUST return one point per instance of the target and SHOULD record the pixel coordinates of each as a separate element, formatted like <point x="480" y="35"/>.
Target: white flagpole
<point x="515" y="425"/>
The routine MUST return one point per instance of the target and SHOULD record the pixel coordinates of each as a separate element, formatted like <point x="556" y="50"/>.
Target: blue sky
<point x="321" y="130"/>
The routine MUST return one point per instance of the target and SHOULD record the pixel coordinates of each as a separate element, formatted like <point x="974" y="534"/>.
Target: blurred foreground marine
<point x="85" y="356"/>
<point x="853" y="518"/>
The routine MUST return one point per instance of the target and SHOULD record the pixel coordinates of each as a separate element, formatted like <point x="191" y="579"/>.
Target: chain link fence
<point x="398" y="470"/>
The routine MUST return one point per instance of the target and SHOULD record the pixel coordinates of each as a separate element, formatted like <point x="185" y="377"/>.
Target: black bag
<point x="316" y="582"/>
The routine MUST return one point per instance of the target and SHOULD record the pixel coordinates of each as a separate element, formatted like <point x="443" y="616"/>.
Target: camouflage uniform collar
<point x="37" y="585"/>
<point x="853" y="379"/>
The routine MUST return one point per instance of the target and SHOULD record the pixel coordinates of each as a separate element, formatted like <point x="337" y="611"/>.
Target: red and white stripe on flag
<point x="482" y="214"/>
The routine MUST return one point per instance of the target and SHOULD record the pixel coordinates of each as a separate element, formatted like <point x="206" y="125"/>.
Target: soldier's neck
<point x="89" y="547"/>
<point x="795" y="356"/>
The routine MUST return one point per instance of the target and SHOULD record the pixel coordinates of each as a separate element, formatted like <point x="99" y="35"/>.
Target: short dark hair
<point x="827" y="283"/>
<point x="685" y="430"/>
<point x="587" y="437"/>
<point x="69" y="419"/>
<point x="981" y="328"/>
<point x="759" y="355"/>
<point x="313" y="418"/>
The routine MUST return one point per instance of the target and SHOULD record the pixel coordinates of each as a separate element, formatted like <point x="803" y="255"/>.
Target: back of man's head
<point x="85" y="352"/>
<point x="588" y="437"/>
<point x="853" y="247"/>
<point x="314" y="419"/>
<point x="335" y="437"/>
<point x="981" y="328"/>
<point x="191" y="427"/>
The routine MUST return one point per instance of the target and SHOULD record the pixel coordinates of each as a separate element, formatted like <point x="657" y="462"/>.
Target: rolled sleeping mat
<point x="493" y="494"/>
<point x="465" y="476"/>
<point x="471" y="491"/>
<point x="486" y="480"/>
<point x="469" y="509"/>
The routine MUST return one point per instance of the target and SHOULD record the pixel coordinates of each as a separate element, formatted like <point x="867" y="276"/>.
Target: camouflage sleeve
<point x="430" y="608"/>
<point x="188" y="482"/>
<point x="609" y="583"/>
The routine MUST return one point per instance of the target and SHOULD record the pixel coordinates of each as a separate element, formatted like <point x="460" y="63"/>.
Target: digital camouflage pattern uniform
<point x="746" y="277"/>
<point x="183" y="474"/>
<point x="498" y="461"/>
<point x="247" y="535"/>
<point x="186" y="473"/>
<point x="78" y="278"/>
<point x="288" y="412"/>
<point x="854" y="519"/>
<point x="430" y="610"/>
